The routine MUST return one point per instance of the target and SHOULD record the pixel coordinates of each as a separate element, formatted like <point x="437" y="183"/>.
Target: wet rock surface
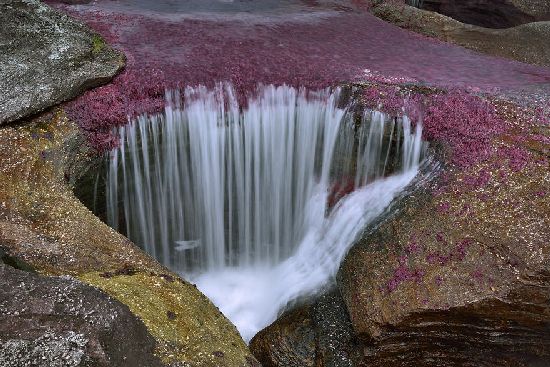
<point x="526" y="43"/>
<point x="458" y="273"/>
<point x="492" y="13"/>
<point x="316" y="334"/>
<point x="44" y="227"/>
<point x="59" y="321"/>
<point x="46" y="58"/>
<point x="314" y="46"/>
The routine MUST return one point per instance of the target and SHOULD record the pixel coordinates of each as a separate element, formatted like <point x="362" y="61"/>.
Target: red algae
<point x="466" y="122"/>
<point x="404" y="273"/>
<point x="315" y="48"/>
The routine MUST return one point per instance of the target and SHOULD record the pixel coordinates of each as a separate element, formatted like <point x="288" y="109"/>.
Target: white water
<point x="240" y="202"/>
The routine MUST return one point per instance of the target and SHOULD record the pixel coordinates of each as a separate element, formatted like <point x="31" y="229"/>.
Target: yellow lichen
<point x="43" y="224"/>
<point x="183" y="321"/>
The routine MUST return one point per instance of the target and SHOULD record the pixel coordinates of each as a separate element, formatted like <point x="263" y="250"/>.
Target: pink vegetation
<point x="466" y="122"/>
<point x="404" y="273"/>
<point x="315" y="48"/>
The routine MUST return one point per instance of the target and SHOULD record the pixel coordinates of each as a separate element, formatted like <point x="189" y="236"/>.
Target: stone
<point x="318" y="333"/>
<point x="60" y="321"/>
<point x="46" y="58"/>
<point x="526" y="43"/>
<point x="459" y="275"/>
<point x="492" y="13"/>
<point x="45" y="228"/>
<point x="457" y="272"/>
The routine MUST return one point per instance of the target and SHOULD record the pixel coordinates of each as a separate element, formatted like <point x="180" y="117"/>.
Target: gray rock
<point x="59" y="321"/>
<point x="46" y="58"/>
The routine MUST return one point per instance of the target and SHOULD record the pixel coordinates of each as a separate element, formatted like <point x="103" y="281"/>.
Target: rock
<point x="492" y="13"/>
<point x="317" y="334"/>
<point x="414" y="295"/>
<point x="457" y="273"/>
<point x="539" y="9"/>
<point x="46" y="57"/>
<point x="289" y="341"/>
<point x="59" y="321"/>
<point x="44" y="227"/>
<point x="454" y="272"/>
<point x="526" y="43"/>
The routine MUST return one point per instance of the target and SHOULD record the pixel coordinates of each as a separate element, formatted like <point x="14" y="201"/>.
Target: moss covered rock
<point x="43" y="225"/>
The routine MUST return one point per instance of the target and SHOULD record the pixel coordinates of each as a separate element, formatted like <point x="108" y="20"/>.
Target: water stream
<point x="258" y="204"/>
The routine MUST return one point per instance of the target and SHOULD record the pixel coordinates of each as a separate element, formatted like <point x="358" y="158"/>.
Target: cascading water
<point x="257" y="206"/>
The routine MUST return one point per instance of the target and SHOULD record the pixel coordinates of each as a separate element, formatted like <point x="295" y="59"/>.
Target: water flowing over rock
<point x="455" y="275"/>
<point x="44" y="227"/>
<point x="212" y="191"/>
<point x="46" y="58"/>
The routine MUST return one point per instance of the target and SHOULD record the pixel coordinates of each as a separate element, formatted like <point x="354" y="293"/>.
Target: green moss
<point x="98" y="44"/>
<point x="187" y="327"/>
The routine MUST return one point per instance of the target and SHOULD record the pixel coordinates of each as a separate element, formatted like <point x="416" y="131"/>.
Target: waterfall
<point x="270" y="195"/>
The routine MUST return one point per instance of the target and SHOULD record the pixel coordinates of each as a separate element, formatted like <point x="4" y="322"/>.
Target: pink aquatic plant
<point x="467" y="123"/>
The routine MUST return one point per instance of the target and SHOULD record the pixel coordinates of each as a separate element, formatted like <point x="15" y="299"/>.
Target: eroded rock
<point x="492" y="13"/>
<point x="47" y="57"/>
<point x="527" y="43"/>
<point x="316" y="334"/>
<point x="59" y="321"/>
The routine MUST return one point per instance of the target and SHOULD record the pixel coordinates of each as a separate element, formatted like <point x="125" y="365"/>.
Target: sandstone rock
<point x="59" y="321"/>
<point x="460" y="275"/>
<point x="46" y="58"/>
<point x="492" y="13"/>
<point x="458" y="337"/>
<point x="527" y="43"/>
<point x="46" y="228"/>
<point x="458" y="271"/>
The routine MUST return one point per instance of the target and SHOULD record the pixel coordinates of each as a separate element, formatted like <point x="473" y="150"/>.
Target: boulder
<point x="492" y="13"/>
<point x="60" y="321"/>
<point x="46" y="58"/>
<point x="526" y="43"/>
<point x="457" y="272"/>
<point x="315" y="334"/>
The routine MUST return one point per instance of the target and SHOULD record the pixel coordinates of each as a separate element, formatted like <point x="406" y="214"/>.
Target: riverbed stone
<point x="60" y="321"/>
<point x="46" y="58"/>
<point x="318" y="333"/>
<point x="491" y="13"/>
<point x="526" y="43"/>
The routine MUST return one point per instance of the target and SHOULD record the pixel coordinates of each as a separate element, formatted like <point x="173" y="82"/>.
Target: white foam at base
<point x="252" y="297"/>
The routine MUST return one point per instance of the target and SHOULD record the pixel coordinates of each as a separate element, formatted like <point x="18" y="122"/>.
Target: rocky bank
<point x="457" y="272"/>
<point x="82" y="294"/>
